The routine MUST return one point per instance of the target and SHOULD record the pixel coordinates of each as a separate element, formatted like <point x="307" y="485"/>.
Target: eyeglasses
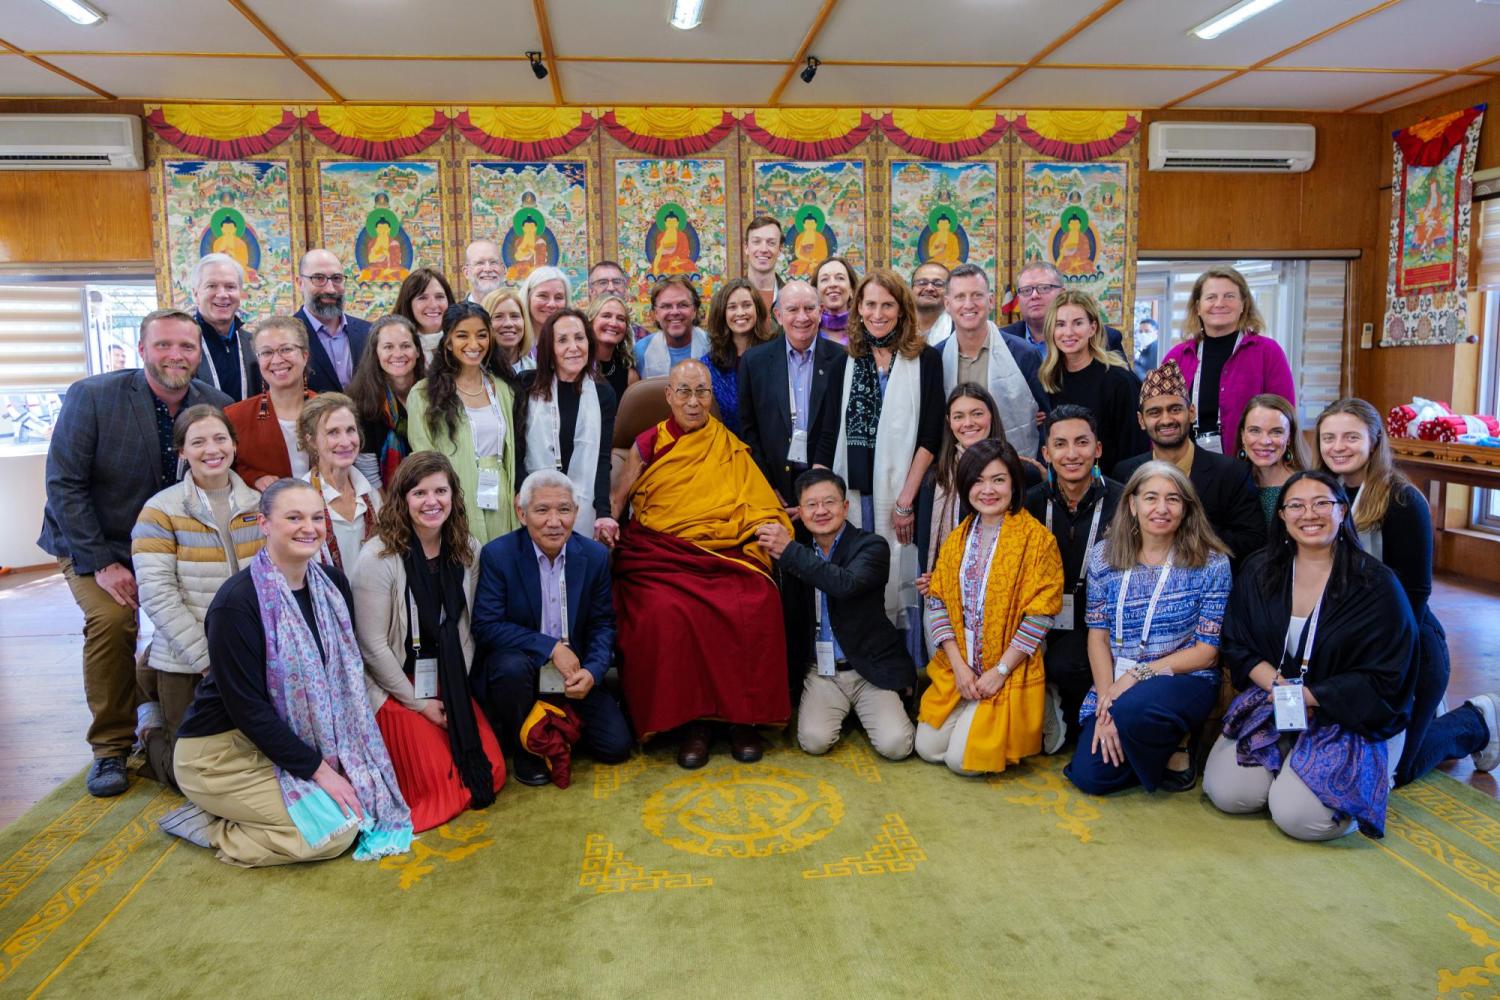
<point x="618" y="283"/>
<point x="1297" y="508"/>
<point x="1029" y="291"/>
<point x="682" y="393"/>
<point x="319" y="280"/>
<point x="284" y="351"/>
<point x="929" y="283"/>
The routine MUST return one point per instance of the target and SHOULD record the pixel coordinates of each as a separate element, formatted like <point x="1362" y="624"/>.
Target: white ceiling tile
<point x="669" y="83"/>
<point x="132" y="26"/>
<point x="1302" y="91"/>
<point x="1441" y="86"/>
<point x="1155" y="32"/>
<point x="181" y="77"/>
<point x="23" y="78"/>
<point x="1421" y="34"/>
<point x="635" y="29"/>
<point x="884" y="86"/>
<point x="948" y="30"/>
<point x="400" y="80"/>
<point x="1088" y="88"/>
<point x="401" y="27"/>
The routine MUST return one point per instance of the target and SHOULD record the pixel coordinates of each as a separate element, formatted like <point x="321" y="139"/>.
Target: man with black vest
<point x="860" y="662"/>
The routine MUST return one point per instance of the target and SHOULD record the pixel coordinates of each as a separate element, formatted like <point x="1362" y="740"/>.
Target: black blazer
<point x="104" y="463"/>
<point x="766" y="405"/>
<point x="1229" y="498"/>
<point x="854" y="580"/>
<point x="321" y="376"/>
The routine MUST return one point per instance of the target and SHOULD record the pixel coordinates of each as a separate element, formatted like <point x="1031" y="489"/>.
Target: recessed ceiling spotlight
<point x="76" y="11"/>
<point x="686" y="14"/>
<point x="813" y="62"/>
<point x="1232" y="17"/>
<point x="538" y="68"/>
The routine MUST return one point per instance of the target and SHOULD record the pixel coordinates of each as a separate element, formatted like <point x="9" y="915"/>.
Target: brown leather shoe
<point x="693" y="745"/>
<point x="745" y="744"/>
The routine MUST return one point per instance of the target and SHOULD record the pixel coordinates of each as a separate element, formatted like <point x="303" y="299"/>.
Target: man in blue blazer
<point x="335" y="340"/>
<point x="544" y="597"/>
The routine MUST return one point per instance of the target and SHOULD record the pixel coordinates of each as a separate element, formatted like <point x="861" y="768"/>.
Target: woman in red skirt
<point x="413" y="590"/>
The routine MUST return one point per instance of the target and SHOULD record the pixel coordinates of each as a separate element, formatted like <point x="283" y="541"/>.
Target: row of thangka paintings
<point x="671" y="217"/>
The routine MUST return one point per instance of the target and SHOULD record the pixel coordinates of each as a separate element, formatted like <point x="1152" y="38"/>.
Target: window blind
<point x="42" y="337"/>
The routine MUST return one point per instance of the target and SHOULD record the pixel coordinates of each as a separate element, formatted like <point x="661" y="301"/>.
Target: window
<point x="56" y="328"/>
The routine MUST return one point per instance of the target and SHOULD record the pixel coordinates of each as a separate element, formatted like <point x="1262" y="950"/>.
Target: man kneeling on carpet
<point x="545" y="622"/>
<point x="279" y="754"/>
<point x="701" y="628"/>
<point x="861" y="662"/>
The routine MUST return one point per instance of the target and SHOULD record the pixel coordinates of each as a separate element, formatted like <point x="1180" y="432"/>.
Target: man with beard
<point x="111" y="452"/>
<point x="228" y="359"/>
<point x="1224" y="484"/>
<point x="929" y="287"/>
<point x="483" y="270"/>
<point x="335" y="340"/>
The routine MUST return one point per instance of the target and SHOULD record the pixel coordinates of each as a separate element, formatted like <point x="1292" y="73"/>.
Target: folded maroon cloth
<point x="550" y="732"/>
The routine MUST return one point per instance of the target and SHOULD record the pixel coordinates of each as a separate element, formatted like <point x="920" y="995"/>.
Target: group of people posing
<point x="380" y="559"/>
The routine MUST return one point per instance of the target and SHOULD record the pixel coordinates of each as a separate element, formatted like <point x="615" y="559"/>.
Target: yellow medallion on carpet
<point x="741" y="811"/>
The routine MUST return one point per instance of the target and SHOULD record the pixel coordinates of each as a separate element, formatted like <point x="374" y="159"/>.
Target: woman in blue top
<point x="737" y="321"/>
<point x="1157" y="587"/>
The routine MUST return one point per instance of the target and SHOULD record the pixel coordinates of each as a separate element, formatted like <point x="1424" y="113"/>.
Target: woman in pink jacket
<point x="1227" y="361"/>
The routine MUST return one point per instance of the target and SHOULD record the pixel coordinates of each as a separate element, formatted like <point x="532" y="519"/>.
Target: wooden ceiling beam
<point x="1445" y="75"/>
<point x="802" y="51"/>
<point x="49" y="67"/>
<point x="286" y="50"/>
<point x="1057" y="43"/>
<point x="549" y="55"/>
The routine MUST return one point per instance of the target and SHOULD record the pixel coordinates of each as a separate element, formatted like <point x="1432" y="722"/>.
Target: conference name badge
<point x="550" y="679"/>
<point x="1064" y="621"/>
<point x="797" y="450"/>
<point x="488" y="494"/>
<point x="826" y="665"/>
<point x="1123" y="666"/>
<point x="1291" y="707"/>
<point x="425" y="679"/>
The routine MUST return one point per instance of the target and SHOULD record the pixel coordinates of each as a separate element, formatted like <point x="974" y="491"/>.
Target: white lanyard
<point x="1310" y="630"/>
<point x="1093" y="530"/>
<point x="1198" y="379"/>
<point x="556" y="410"/>
<point x="791" y="380"/>
<point x="239" y="357"/>
<point x="1161" y="582"/>
<point x="970" y="552"/>
<point x="413" y="623"/>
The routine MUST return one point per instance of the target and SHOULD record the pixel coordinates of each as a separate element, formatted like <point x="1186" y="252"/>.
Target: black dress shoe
<point x="692" y="750"/>
<point x="745" y="744"/>
<point x="529" y="769"/>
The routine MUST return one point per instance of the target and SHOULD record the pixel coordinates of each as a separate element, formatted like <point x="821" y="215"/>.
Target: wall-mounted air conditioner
<point x="71" y="142"/>
<point x="1233" y="147"/>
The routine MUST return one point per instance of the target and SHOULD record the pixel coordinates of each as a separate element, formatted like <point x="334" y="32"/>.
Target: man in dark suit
<point x="1036" y="286"/>
<point x="544" y="601"/>
<point x="112" y="451"/>
<point x="335" y="340"/>
<point x="1224" y="484"/>
<point x="228" y="357"/>
<point x="860" y="661"/>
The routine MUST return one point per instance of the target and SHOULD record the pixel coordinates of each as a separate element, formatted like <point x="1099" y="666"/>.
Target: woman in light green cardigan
<point x="463" y="410"/>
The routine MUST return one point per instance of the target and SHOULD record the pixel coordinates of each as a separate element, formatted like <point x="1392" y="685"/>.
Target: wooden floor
<point x="43" y="716"/>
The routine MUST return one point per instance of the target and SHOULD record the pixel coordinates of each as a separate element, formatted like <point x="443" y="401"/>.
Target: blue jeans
<point x="504" y="683"/>
<point x="1152" y="718"/>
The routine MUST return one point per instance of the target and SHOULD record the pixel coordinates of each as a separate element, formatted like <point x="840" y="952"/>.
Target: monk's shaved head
<point x="690" y="394"/>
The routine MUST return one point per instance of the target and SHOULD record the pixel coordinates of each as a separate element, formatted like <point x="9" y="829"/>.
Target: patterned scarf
<point x="322" y="700"/>
<point x="394" y="447"/>
<point x="837" y="322"/>
<point x="864" y="415"/>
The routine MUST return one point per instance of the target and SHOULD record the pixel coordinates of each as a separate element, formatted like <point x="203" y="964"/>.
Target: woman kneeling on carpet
<point x="279" y="754"/>
<point x="1157" y="587"/>
<point x="992" y="597"/>
<point x="413" y="591"/>
<point x="1321" y="641"/>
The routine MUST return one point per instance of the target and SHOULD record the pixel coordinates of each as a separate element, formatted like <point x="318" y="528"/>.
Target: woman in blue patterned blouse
<point x="1157" y="588"/>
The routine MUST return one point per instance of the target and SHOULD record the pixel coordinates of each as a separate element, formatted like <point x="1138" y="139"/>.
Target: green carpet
<point x="841" y="876"/>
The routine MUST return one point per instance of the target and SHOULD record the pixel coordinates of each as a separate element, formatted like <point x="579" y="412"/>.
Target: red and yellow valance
<point x="1076" y="136"/>
<point x="377" y="132"/>
<point x="940" y="134"/>
<point x="223" y="131"/>
<point x="808" y="133"/>
<point x="669" y="131"/>
<point x="1427" y="142"/>
<point x="525" y="133"/>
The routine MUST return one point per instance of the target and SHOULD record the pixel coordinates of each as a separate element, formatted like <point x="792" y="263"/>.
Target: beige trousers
<point x="1295" y="810"/>
<point x="109" y="634"/>
<point x="946" y="743"/>
<point x="826" y="701"/>
<point x="228" y="777"/>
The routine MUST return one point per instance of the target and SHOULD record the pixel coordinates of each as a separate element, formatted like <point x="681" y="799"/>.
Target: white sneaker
<point x="1054" y="728"/>
<point x="1488" y="759"/>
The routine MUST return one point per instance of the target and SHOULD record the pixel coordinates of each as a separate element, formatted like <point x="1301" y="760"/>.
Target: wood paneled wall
<point x="65" y="216"/>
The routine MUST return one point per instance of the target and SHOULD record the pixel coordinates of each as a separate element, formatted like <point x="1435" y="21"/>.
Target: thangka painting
<point x="821" y="205"/>
<point x="1076" y="216"/>
<point x="239" y="207"/>
<point x="1428" y="269"/>
<point x="537" y="213"/>
<point x="382" y="219"/>
<point x="671" y="219"/>
<point x="944" y="213"/>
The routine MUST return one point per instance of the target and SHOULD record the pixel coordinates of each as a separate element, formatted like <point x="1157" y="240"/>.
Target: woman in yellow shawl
<point x="997" y="585"/>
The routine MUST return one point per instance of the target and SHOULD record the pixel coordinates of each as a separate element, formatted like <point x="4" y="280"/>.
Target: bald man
<point x="335" y="339"/>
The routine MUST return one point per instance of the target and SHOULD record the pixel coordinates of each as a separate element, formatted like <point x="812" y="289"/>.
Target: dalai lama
<point x="699" y="615"/>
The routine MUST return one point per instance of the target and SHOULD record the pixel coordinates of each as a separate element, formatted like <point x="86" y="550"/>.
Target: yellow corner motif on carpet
<point x="895" y="850"/>
<point x="857" y="758"/>
<point x="610" y="778"/>
<point x="741" y="811"/>
<point x="1448" y="855"/>
<point x="607" y="870"/>
<point x="1455" y="984"/>
<point x="1450" y="810"/>
<point x="422" y="859"/>
<point x="1053" y="795"/>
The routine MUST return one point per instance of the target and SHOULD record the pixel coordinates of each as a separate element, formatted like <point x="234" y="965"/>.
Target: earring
<point x="1242" y="456"/>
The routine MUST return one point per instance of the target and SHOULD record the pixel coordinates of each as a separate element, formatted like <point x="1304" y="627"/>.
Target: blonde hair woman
<point x="514" y="337"/>
<point x="1079" y="369"/>
<point x="614" y="351"/>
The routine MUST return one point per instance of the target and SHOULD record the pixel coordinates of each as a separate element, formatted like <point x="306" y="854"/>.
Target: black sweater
<point x="1112" y="395"/>
<point x="568" y="394"/>
<point x="1406" y="545"/>
<point x="233" y="694"/>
